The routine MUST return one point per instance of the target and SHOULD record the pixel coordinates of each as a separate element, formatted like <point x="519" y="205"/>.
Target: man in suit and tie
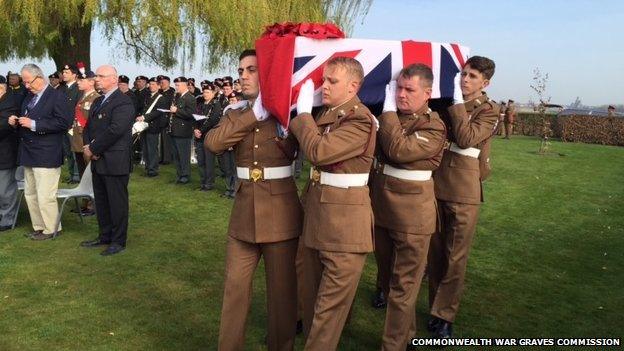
<point x="108" y="139"/>
<point x="45" y="119"/>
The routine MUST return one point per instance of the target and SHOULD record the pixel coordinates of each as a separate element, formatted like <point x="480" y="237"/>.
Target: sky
<point x="577" y="42"/>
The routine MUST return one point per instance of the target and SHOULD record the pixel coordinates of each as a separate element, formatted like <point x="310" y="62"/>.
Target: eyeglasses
<point x="32" y="81"/>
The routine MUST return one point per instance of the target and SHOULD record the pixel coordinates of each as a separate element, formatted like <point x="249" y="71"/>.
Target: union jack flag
<point x="381" y="59"/>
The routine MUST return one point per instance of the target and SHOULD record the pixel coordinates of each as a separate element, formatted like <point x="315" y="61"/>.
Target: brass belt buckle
<point x="316" y="175"/>
<point x="256" y="174"/>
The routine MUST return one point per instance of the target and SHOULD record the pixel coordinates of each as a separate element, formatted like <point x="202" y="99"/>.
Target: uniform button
<point x="255" y="163"/>
<point x="257" y="130"/>
<point x="256" y="146"/>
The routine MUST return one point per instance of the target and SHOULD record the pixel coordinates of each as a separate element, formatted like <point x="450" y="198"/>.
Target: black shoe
<point x="40" y="236"/>
<point x="93" y="243"/>
<point x="444" y="331"/>
<point x="299" y="329"/>
<point x="183" y="181"/>
<point x="379" y="300"/>
<point x="5" y="227"/>
<point x="33" y="233"/>
<point x="433" y="324"/>
<point x="112" y="249"/>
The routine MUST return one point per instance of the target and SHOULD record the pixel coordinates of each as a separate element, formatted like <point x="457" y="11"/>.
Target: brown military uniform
<point x="459" y="192"/>
<point x="338" y="221"/>
<point x="405" y="214"/>
<point x="83" y="107"/>
<point x="510" y="119"/>
<point x="265" y="221"/>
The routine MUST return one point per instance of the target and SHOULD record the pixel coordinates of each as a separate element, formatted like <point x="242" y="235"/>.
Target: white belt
<point x="406" y="174"/>
<point x="339" y="180"/>
<point x="265" y="173"/>
<point x="470" y="152"/>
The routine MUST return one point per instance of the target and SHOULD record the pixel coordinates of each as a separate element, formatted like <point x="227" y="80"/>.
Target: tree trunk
<point x="74" y="46"/>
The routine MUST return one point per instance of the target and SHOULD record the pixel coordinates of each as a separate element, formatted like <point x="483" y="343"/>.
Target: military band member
<point x="471" y="122"/>
<point x="142" y="92"/>
<point x="211" y="108"/>
<point x="165" y="140"/>
<point x="338" y="220"/>
<point x="192" y="88"/>
<point x="181" y="122"/>
<point x="157" y="121"/>
<point x="55" y="80"/>
<point x="266" y="217"/>
<point x="410" y="145"/>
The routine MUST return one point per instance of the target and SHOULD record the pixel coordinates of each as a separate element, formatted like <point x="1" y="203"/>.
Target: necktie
<point x="32" y="103"/>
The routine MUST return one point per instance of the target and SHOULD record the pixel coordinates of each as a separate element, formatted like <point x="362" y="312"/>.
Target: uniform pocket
<point x="403" y="186"/>
<point x="353" y="196"/>
<point x="464" y="162"/>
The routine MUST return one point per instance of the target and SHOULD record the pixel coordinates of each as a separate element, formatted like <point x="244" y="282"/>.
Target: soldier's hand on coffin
<point x="458" y="97"/>
<point x="390" y="104"/>
<point x="259" y="111"/>
<point x="305" y="100"/>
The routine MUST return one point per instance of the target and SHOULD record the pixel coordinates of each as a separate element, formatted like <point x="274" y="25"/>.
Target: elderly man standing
<point x="108" y="140"/>
<point x="46" y="117"/>
<point x="8" y="158"/>
<point x="338" y="219"/>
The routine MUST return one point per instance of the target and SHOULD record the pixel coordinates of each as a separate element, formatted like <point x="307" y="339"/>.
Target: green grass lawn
<point x="547" y="261"/>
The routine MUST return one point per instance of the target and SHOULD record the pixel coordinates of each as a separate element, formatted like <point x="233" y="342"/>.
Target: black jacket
<point x="109" y="134"/>
<point x="214" y="111"/>
<point x="157" y="120"/>
<point x="53" y="117"/>
<point x="182" y="122"/>
<point x="73" y="94"/>
<point x="8" y="134"/>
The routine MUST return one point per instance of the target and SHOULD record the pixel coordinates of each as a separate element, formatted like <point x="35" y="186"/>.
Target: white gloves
<point x="259" y="111"/>
<point x="458" y="97"/>
<point x="390" y="101"/>
<point x="306" y="97"/>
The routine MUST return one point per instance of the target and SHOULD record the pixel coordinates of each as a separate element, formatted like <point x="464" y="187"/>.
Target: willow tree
<point x="165" y="33"/>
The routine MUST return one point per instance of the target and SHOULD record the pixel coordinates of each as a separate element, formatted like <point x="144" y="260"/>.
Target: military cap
<point x="87" y="74"/>
<point x="12" y="74"/>
<point x="232" y="95"/>
<point x="123" y="79"/>
<point x="153" y="79"/>
<point x="611" y="107"/>
<point x="191" y="80"/>
<point x="228" y="78"/>
<point x="141" y="78"/>
<point x="227" y="84"/>
<point x="2" y="80"/>
<point x="205" y="82"/>
<point x="72" y="68"/>
<point x="54" y="75"/>
<point x="161" y="77"/>
<point x="180" y="80"/>
<point x="209" y="86"/>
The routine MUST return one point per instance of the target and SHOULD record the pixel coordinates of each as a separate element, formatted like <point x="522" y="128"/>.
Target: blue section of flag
<point x="373" y="89"/>
<point x="300" y="62"/>
<point x="448" y="70"/>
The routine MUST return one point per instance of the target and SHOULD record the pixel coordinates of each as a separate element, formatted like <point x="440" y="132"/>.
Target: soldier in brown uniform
<point x="510" y="118"/>
<point x="338" y="220"/>
<point x="266" y="217"/>
<point x="410" y="147"/>
<point x="86" y="84"/>
<point x="465" y="164"/>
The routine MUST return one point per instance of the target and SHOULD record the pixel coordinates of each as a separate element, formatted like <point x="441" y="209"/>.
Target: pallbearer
<point x="410" y="145"/>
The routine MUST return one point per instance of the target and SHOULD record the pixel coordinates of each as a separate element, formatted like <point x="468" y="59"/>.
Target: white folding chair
<point x="84" y="189"/>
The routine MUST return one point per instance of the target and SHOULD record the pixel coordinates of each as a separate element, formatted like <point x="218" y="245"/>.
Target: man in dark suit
<point x="107" y="139"/>
<point x="45" y="119"/>
<point x="157" y="121"/>
<point x="8" y="158"/>
<point x="181" y="124"/>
